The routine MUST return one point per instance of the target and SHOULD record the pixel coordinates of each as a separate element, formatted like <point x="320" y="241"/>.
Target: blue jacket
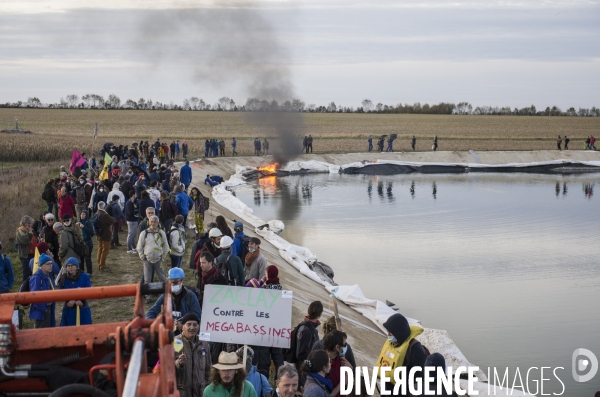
<point x="210" y="182"/>
<point x="188" y="304"/>
<point x="236" y="247"/>
<point x="69" y="314"/>
<point x="184" y="203"/>
<point x="7" y="277"/>
<point x="185" y="175"/>
<point x="259" y="381"/>
<point x="40" y="282"/>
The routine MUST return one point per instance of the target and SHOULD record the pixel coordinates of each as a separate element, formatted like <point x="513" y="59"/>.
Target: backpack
<point x="169" y="236"/>
<point x="201" y="242"/>
<point x="96" y="224"/>
<point x="225" y="270"/>
<point x="25" y="288"/>
<point x="290" y="354"/>
<point x="79" y="246"/>
<point x="244" y="248"/>
<point x="80" y="195"/>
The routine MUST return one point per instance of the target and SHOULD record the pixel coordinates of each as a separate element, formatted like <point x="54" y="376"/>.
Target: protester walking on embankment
<point x="105" y="223"/>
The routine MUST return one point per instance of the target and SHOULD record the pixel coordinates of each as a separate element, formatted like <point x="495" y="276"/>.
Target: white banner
<point x="252" y="316"/>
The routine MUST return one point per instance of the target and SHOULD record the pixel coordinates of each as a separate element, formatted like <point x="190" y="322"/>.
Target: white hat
<point x="226" y="242"/>
<point x="214" y="232"/>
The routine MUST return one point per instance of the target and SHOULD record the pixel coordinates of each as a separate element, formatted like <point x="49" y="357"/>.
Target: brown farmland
<point x="58" y="131"/>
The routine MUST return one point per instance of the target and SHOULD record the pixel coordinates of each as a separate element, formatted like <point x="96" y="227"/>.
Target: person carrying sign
<point x="192" y="364"/>
<point x="228" y="379"/>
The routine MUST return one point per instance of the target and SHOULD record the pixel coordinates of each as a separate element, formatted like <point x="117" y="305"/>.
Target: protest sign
<point x="253" y="316"/>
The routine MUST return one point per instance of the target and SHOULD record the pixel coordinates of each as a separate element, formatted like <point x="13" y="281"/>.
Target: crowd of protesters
<point x="164" y="216"/>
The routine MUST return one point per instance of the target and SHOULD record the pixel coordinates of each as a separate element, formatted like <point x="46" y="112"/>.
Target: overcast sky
<point x="500" y="53"/>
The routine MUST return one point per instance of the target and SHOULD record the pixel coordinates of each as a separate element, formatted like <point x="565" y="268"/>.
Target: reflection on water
<point x="508" y="270"/>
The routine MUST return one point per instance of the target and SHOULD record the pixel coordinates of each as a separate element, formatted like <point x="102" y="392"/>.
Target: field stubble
<point x="58" y="131"/>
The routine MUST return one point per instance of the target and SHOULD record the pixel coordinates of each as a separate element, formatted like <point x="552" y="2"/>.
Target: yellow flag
<point x="36" y="261"/>
<point x="78" y="321"/>
<point x="107" y="160"/>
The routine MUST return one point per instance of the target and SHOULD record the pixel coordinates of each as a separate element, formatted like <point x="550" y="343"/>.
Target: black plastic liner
<point x="393" y="169"/>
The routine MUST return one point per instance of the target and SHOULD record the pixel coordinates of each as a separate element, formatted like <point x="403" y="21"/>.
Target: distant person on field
<point x="567" y="142"/>
<point x="435" y="143"/>
<point x="222" y="147"/>
<point x="233" y="145"/>
<point x="390" y="144"/>
<point x="184" y="149"/>
<point x="559" y="142"/>
<point x="309" y="144"/>
<point x="370" y="142"/>
<point x="413" y="142"/>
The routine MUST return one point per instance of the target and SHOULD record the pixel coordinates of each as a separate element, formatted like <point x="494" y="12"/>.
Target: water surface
<point x="506" y="263"/>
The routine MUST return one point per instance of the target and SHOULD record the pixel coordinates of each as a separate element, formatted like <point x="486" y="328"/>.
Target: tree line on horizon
<point x="225" y="104"/>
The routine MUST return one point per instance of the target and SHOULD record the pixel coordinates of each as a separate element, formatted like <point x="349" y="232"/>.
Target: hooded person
<point x="271" y="279"/>
<point x="435" y="361"/>
<point x="87" y="228"/>
<point x="76" y="311"/>
<point x="116" y="190"/>
<point x="402" y="345"/>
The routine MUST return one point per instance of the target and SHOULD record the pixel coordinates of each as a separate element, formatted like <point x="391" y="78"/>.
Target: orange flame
<point x="269" y="168"/>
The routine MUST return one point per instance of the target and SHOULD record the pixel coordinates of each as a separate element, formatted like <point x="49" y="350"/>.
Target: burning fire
<point x="269" y="168"/>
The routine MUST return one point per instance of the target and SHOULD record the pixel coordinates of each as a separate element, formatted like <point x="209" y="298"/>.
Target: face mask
<point x="176" y="288"/>
<point x="67" y="223"/>
<point x="344" y="350"/>
<point x="100" y="190"/>
<point x="392" y="339"/>
<point x="254" y="250"/>
<point x="82" y="182"/>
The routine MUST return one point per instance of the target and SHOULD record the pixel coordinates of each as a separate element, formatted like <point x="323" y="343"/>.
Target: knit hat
<point x="189" y="317"/>
<point x="238" y="225"/>
<point x="72" y="261"/>
<point x="42" y="247"/>
<point x="66" y="217"/>
<point x="43" y="259"/>
<point x="272" y="275"/>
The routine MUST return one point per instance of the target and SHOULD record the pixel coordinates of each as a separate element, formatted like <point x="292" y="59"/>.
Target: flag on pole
<point x="95" y="130"/>
<point x="104" y="174"/>
<point x="36" y="261"/>
<point x="76" y="161"/>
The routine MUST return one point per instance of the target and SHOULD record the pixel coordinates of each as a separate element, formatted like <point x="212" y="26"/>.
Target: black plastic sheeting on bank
<point x="393" y="169"/>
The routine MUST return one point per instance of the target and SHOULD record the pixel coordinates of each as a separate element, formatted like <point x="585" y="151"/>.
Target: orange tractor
<point x="32" y="361"/>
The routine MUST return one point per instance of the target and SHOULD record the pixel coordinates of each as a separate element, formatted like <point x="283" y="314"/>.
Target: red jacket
<point x="66" y="205"/>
